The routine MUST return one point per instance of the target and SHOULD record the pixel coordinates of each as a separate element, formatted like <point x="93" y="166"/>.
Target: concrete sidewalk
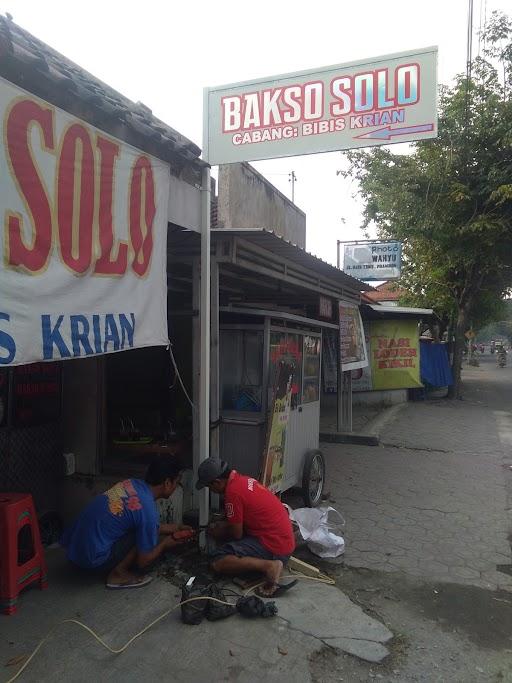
<point x="311" y="617"/>
<point x="432" y="501"/>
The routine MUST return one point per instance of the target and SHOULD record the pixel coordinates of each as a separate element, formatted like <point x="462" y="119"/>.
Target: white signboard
<point x="373" y="260"/>
<point x="372" y="102"/>
<point x="82" y="237"/>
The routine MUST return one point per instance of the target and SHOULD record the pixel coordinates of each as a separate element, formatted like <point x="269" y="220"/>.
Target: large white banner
<point x="82" y="237"/>
<point x="370" y="102"/>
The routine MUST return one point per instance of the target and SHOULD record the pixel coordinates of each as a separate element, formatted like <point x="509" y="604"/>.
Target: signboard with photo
<point x="373" y="260"/>
<point x="362" y="377"/>
<point x="273" y="460"/>
<point x="353" y="353"/>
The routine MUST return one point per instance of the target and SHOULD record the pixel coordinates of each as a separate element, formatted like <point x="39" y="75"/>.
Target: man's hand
<point x="224" y="531"/>
<point x="219" y="531"/>
<point x="166" y="529"/>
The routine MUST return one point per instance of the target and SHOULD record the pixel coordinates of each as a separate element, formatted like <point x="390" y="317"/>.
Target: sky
<point x="163" y="53"/>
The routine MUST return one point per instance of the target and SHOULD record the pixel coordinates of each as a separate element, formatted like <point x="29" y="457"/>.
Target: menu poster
<point x="352" y="344"/>
<point x="36" y="394"/>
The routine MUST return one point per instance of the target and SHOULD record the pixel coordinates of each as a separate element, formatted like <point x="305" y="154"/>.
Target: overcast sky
<point x="163" y="52"/>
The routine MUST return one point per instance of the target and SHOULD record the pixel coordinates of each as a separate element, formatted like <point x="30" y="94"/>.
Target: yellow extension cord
<point x="117" y="651"/>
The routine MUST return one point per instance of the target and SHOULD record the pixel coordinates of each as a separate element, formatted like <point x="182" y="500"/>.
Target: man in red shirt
<point x="258" y="530"/>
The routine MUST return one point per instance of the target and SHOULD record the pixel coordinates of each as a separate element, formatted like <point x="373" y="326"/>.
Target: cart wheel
<point x="313" y="478"/>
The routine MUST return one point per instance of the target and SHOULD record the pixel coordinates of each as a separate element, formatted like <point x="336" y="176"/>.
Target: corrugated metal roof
<point x="386" y="311"/>
<point x="268" y="239"/>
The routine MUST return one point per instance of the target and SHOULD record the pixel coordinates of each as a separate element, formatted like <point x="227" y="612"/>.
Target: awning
<point x="378" y="312"/>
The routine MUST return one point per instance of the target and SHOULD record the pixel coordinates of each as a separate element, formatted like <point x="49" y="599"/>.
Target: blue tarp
<point x="435" y="365"/>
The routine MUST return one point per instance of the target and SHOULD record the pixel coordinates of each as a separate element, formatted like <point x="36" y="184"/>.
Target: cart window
<point x="241" y="370"/>
<point x="311" y="369"/>
<point x="287" y="348"/>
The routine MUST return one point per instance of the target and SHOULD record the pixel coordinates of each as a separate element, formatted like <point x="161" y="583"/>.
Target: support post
<point x="214" y="370"/>
<point x="204" y="362"/>
<point x="347" y="402"/>
<point x="339" y="393"/>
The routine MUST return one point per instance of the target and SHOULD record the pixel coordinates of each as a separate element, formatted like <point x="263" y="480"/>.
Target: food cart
<point x="252" y="346"/>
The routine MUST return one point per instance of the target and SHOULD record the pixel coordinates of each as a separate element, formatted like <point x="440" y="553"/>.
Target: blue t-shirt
<point x="127" y="506"/>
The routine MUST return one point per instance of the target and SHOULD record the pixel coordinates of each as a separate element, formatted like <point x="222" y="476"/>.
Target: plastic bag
<point x="320" y="528"/>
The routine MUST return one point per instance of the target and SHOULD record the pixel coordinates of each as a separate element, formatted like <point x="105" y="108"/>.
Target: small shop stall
<point x="251" y="354"/>
<point x="271" y="303"/>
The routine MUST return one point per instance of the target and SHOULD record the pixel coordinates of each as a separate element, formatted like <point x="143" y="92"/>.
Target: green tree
<point x="450" y="200"/>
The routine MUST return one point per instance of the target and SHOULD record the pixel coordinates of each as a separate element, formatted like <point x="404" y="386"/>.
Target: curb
<point x="350" y="437"/>
<point x="371" y="435"/>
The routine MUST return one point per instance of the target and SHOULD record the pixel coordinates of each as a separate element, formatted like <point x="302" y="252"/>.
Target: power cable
<point x="179" y="377"/>
<point x="119" y="650"/>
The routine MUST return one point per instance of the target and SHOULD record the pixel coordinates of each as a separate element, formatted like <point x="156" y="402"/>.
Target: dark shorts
<point x="248" y="546"/>
<point x="118" y="552"/>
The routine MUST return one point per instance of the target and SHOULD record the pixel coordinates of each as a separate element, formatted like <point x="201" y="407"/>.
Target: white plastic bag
<point x="320" y="528"/>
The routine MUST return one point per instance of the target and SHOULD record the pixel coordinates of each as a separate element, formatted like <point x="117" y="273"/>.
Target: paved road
<point x="433" y="501"/>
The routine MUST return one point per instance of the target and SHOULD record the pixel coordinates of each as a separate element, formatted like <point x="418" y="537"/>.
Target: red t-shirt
<point x="262" y="514"/>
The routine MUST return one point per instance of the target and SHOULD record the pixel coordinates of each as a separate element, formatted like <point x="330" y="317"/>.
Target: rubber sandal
<point x="281" y="589"/>
<point x="133" y="584"/>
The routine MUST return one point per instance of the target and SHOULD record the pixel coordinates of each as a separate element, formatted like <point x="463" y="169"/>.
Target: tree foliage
<point x="450" y="199"/>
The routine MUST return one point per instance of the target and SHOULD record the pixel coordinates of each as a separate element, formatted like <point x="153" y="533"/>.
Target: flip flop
<point x="281" y="589"/>
<point x="132" y="584"/>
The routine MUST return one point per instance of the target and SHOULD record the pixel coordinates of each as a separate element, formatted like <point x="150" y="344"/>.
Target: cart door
<point x="304" y="422"/>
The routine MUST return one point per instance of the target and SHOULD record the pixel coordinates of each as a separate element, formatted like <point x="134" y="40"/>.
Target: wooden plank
<point x="303" y="567"/>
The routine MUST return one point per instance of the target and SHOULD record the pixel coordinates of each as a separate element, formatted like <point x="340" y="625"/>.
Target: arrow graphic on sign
<point x="387" y="133"/>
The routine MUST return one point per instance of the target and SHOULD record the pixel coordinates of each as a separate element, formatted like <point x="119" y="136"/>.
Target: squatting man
<point x="119" y="535"/>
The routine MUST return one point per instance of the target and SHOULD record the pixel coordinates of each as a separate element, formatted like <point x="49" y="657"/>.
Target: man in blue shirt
<point x="119" y="531"/>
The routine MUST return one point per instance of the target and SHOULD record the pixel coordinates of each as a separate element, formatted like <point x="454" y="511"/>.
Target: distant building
<point x="247" y="200"/>
<point x="387" y="294"/>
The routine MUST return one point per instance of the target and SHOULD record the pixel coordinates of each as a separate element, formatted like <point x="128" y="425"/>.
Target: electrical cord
<point x="173" y="360"/>
<point x="117" y="651"/>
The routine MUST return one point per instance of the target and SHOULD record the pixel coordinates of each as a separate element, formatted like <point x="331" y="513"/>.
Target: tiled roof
<point x="35" y="66"/>
<point x="387" y="291"/>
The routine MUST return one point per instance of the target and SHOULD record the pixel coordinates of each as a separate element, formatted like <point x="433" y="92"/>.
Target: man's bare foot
<point x="272" y="578"/>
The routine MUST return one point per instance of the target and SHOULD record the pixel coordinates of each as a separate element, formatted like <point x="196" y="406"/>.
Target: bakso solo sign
<point x="82" y="237"/>
<point x="375" y="102"/>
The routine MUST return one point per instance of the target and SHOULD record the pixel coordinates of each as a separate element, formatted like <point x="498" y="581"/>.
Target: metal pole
<point x="293" y="178"/>
<point x="348" y="399"/>
<point x="204" y="362"/>
<point x="339" y="374"/>
<point x="338" y="253"/>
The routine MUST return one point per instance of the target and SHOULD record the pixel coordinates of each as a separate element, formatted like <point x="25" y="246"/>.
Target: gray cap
<point x="210" y="469"/>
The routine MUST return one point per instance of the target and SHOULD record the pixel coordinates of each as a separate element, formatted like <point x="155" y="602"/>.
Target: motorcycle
<point x="502" y="358"/>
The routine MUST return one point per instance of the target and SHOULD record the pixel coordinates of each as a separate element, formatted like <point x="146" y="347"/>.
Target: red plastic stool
<point x="16" y="571"/>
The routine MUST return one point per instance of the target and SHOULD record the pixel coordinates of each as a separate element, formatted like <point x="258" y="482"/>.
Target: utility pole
<point x="292" y="178"/>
